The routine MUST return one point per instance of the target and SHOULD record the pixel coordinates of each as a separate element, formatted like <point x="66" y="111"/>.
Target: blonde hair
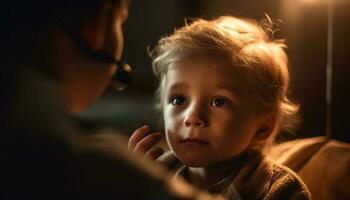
<point x="247" y="46"/>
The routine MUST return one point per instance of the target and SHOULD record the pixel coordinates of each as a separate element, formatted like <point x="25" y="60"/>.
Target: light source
<point x="329" y="67"/>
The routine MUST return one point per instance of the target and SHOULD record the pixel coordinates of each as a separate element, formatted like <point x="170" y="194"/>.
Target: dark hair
<point x="27" y="21"/>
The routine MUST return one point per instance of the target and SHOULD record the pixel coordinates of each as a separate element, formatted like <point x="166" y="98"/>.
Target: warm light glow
<point x="308" y="1"/>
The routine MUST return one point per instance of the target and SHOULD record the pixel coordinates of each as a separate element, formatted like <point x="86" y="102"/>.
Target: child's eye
<point x="218" y="102"/>
<point x="178" y="100"/>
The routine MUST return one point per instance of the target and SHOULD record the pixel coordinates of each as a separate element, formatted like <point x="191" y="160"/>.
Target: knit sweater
<point x="253" y="177"/>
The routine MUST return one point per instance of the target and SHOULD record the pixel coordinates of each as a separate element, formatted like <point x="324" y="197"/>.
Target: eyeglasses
<point x="123" y="76"/>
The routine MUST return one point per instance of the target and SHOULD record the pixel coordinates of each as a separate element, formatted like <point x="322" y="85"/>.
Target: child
<point x="223" y="86"/>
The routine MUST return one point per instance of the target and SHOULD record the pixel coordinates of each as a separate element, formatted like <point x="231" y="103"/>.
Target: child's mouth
<point x="194" y="141"/>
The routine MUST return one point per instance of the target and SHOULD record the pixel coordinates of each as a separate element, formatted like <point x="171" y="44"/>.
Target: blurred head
<point x="237" y="54"/>
<point x="76" y="42"/>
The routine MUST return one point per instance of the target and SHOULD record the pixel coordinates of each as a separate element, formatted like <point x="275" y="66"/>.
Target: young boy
<point x="223" y="86"/>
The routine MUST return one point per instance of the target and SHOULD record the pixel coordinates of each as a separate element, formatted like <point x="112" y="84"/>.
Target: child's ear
<point x="265" y="129"/>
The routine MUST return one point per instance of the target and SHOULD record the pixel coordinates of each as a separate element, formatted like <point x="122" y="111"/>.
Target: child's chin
<point x="195" y="162"/>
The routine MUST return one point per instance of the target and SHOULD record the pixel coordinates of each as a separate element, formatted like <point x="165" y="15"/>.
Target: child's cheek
<point x="172" y="123"/>
<point x="171" y="117"/>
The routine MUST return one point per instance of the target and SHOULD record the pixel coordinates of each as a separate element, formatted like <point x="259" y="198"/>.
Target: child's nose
<point x="194" y="121"/>
<point x="195" y="117"/>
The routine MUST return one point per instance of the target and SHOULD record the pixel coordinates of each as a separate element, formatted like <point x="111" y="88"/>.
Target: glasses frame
<point x="123" y="76"/>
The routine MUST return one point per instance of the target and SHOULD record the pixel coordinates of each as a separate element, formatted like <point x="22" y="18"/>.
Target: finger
<point x="154" y="153"/>
<point x="137" y="136"/>
<point x="147" y="143"/>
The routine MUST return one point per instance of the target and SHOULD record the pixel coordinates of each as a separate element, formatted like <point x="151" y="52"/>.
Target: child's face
<point x="209" y="113"/>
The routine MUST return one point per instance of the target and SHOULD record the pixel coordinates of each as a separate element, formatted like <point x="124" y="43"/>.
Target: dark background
<point x="304" y="26"/>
